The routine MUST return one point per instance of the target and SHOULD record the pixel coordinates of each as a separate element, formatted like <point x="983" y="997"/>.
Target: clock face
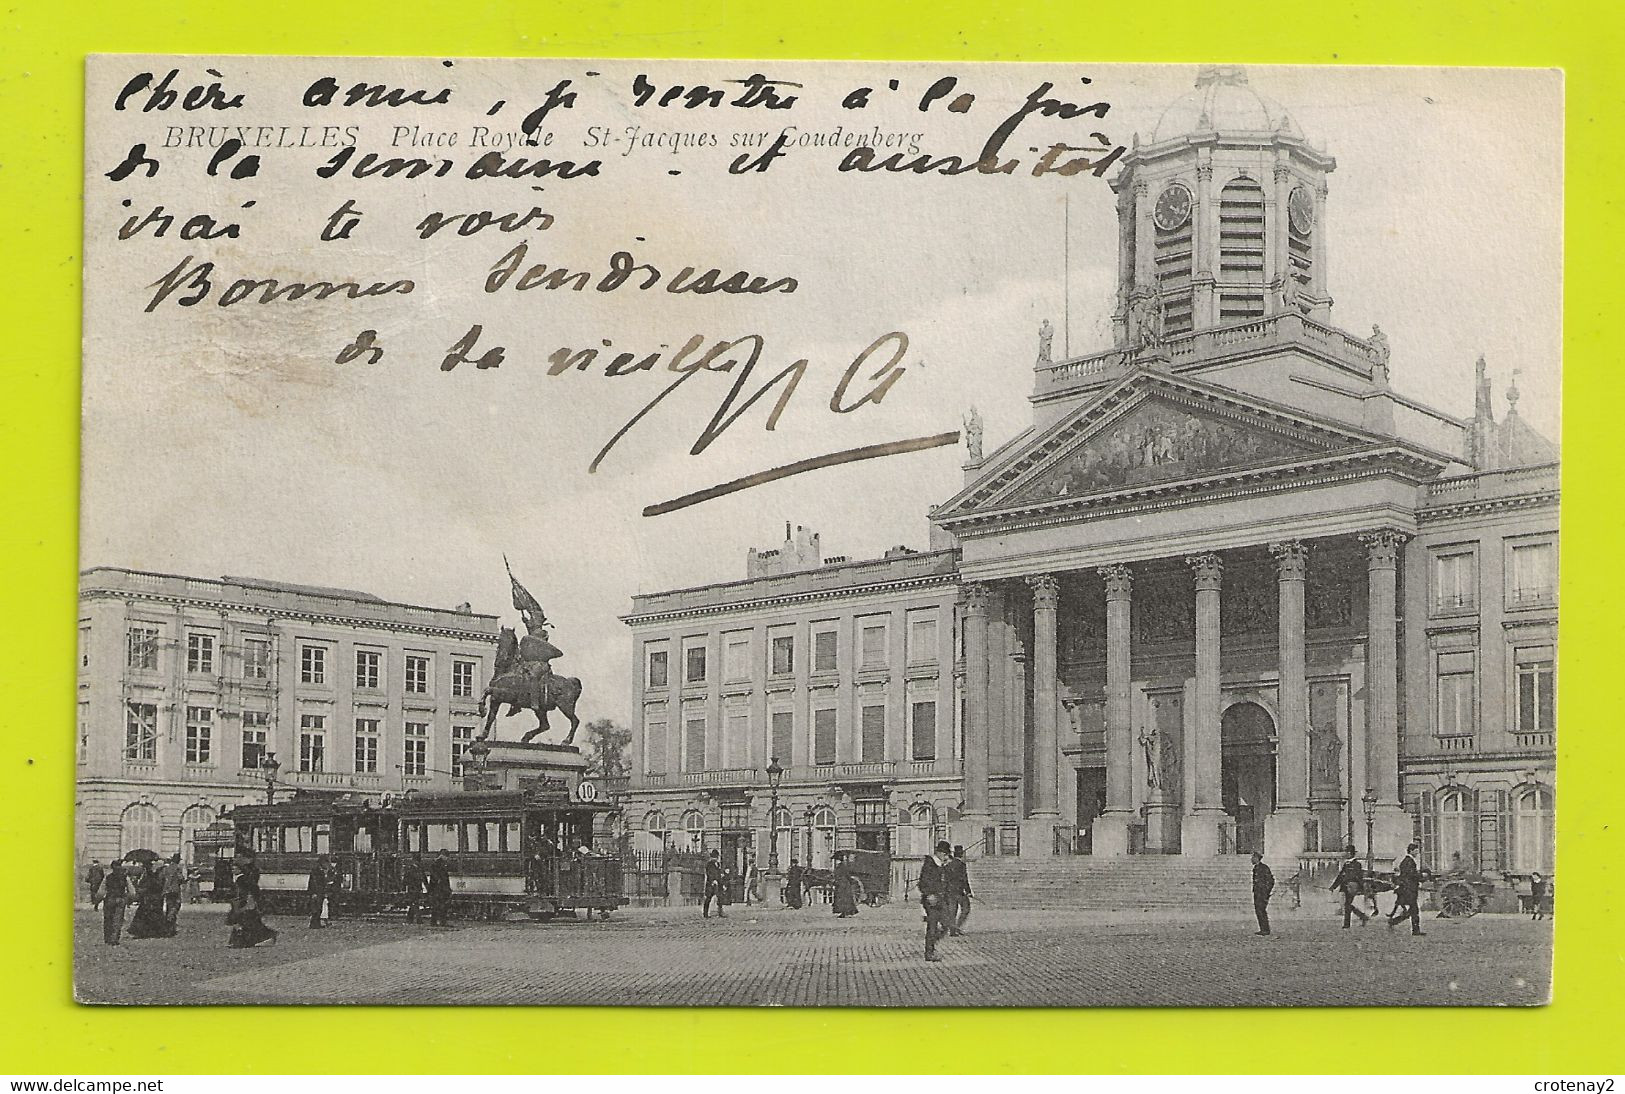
<point x="1301" y="209"/>
<point x="1173" y="208"/>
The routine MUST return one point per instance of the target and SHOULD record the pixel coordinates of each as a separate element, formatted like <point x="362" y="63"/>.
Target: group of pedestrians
<point x="153" y="887"/>
<point x="1351" y="882"/>
<point x="945" y="895"/>
<point x="427" y="888"/>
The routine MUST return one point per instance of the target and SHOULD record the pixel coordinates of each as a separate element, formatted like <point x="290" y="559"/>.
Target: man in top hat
<point x="1407" y="890"/>
<point x="958" y="892"/>
<point x="935" y="897"/>
<point x="1350" y="882"/>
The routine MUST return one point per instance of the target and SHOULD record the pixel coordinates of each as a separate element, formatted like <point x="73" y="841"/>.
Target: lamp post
<point x="775" y="772"/>
<point x="1369" y="800"/>
<point x="269" y="765"/>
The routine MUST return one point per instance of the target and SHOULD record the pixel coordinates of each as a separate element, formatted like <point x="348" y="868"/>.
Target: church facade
<point x="1232" y="590"/>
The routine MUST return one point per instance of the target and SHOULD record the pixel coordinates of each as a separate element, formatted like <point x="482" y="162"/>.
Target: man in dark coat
<point x="115" y="895"/>
<point x="413" y="881"/>
<point x="174" y="885"/>
<point x="1349" y="881"/>
<point x="93" y="879"/>
<point x="792" y="884"/>
<point x="958" y="883"/>
<point x="1263" y="886"/>
<point x="714" y="882"/>
<point x="935" y="897"/>
<point x="316" y="891"/>
<point x="1407" y="891"/>
<point x="439" y="890"/>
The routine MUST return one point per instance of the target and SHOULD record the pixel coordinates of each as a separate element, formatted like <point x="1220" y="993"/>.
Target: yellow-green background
<point x="42" y="47"/>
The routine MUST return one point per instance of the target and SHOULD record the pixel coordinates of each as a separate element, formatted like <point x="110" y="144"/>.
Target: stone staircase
<point x="1135" y="882"/>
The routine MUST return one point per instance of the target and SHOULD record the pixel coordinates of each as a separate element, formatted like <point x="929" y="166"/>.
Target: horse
<point x="510" y="686"/>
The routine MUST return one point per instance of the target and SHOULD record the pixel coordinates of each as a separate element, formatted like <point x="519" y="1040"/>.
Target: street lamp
<point x="1369" y="800"/>
<point x="775" y="772"/>
<point x="269" y="765"/>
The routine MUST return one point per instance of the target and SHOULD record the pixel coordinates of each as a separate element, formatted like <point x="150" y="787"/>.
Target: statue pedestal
<point x="509" y="765"/>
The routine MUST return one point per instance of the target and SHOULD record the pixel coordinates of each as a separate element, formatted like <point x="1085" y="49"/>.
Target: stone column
<point x="1110" y="833"/>
<point x="1204" y="244"/>
<point x="1037" y="836"/>
<point x="1392" y="829"/>
<point x="975" y="811"/>
<point x="1276" y="231"/>
<point x="1283" y="829"/>
<point x="1145" y="276"/>
<point x="1200" y="834"/>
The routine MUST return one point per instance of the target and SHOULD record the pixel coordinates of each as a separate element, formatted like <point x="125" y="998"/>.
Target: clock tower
<point x="1219" y="216"/>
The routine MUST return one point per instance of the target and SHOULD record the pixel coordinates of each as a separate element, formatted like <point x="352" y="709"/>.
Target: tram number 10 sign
<point x="586" y="791"/>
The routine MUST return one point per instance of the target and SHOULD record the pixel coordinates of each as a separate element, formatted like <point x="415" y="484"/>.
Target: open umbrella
<point x="142" y="855"/>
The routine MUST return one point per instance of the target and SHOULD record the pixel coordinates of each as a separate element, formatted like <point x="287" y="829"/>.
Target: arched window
<point x="694" y="826"/>
<point x="783" y="825"/>
<point x="652" y="840"/>
<point x="194" y="820"/>
<point x="1241" y="250"/>
<point x="916" y="837"/>
<point x="139" y="829"/>
<point x="821" y="854"/>
<point x="1534" y="817"/>
<point x="1455" y="831"/>
<point x="654" y="821"/>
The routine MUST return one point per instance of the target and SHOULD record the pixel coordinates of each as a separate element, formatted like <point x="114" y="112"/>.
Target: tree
<point x="606" y="749"/>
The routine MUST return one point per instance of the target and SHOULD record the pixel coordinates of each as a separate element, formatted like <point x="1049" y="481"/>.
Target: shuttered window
<point x="923" y="730"/>
<point x="874" y="733"/>
<point x="823" y="736"/>
<point x="1241" y="249"/>
<point x="694" y="744"/>
<point x="783" y="734"/>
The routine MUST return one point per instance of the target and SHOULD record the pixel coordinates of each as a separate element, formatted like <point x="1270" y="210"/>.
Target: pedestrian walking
<point x="174" y="884"/>
<point x="149" y="920"/>
<point x="439" y="891"/>
<point x="959" y="893"/>
<point x="1540" y="890"/>
<point x="248" y="929"/>
<point x="1263" y="886"/>
<point x="792" y="884"/>
<point x="93" y="881"/>
<point x="116" y="891"/>
<point x="714" y="883"/>
<point x="1407" y="891"/>
<point x="316" y="890"/>
<point x="935" y="898"/>
<point x="415" y="882"/>
<point x="1350" y="882"/>
<point x="845" y="904"/>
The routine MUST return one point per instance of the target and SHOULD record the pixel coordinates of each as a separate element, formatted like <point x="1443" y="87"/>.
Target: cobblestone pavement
<point x="808" y="957"/>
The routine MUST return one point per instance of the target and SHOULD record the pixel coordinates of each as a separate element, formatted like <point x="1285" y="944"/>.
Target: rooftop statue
<point x="523" y="676"/>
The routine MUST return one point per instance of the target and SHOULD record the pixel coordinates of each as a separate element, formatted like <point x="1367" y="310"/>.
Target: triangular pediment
<point x="1153" y="428"/>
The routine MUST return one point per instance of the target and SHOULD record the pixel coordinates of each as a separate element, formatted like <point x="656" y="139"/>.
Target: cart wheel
<point x="603" y="914"/>
<point x="860" y="895"/>
<point x="1458" y="901"/>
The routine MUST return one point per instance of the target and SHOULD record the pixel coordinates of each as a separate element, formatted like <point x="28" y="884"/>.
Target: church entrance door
<point x="1247" y="772"/>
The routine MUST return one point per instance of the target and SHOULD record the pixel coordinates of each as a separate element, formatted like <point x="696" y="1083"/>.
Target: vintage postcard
<point x="807" y="533"/>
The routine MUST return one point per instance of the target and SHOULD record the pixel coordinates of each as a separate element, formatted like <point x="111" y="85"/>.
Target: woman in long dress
<point x="247" y="928"/>
<point x="149" y="920"/>
<point x="846" y="902"/>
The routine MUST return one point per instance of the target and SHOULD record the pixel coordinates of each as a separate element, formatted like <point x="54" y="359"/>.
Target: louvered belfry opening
<point x="1241" y="251"/>
<point x="1172" y="256"/>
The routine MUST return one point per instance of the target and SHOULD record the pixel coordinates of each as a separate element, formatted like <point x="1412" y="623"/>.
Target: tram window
<point x="510" y="836"/>
<point x="295" y="838"/>
<point x="265" y="838"/>
<point x="411" y="837"/>
<point x="362" y="842"/>
<point x="323" y="841"/>
<point x="483" y="836"/>
<point x="442" y="837"/>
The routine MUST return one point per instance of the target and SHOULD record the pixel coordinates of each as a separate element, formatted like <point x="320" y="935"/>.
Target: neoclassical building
<point x="190" y="688"/>
<point x="1233" y="589"/>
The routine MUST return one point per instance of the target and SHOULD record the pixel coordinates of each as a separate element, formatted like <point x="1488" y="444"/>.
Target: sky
<point x="228" y="441"/>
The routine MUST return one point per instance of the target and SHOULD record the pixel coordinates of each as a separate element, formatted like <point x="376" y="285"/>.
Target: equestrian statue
<point x="523" y="676"/>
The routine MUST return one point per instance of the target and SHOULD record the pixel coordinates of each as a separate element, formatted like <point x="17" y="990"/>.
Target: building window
<point x="256" y="729"/>
<point x="922" y="637"/>
<point x="694" y="665"/>
<point x="312" y="742"/>
<point x="200" y="654"/>
<point x="694" y="827"/>
<point x="1533" y="829"/>
<point x="84" y="647"/>
<point x="1241" y="250"/>
<point x="657" y="672"/>
<point x="417" y="674"/>
<point x="824" y="736"/>
<point x="312" y="665"/>
<point x="200" y="735"/>
<point x="1455" y="581"/>
<point x="143" y="648"/>
<point x="367" y="664"/>
<point x="1455" y="714"/>
<point x="923" y="727"/>
<point x="141" y="731"/>
<point x="874" y="733"/>
<point x="366" y="746"/>
<point x="654" y="748"/>
<point x="736" y="656"/>
<point x="784" y="723"/>
<point x="872" y="813"/>
<point x="1537" y="685"/>
<point x="694" y="744"/>
<point x="139" y="829"/>
<point x="873" y="650"/>
<point x="415" y="758"/>
<point x="256" y="659"/>
<point x="735" y="815"/>
<point x="461" y="737"/>
<point x="784" y="654"/>
<point x="1533" y="575"/>
<point x="736" y="749"/>
<point x="826" y="651"/>
<point x="462" y="679"/>
<point x="1457" y="820"/>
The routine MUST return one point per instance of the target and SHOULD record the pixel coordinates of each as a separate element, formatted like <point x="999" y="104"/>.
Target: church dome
<point x="1223" y="102"/>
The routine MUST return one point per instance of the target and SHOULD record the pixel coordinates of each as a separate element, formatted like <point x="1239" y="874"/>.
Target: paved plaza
<point x="777" y="957"/>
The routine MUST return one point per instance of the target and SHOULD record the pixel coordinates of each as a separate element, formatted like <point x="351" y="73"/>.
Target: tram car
<point x="509" y="852"/>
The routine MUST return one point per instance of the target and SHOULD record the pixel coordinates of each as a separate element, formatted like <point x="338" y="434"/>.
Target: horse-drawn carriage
<point x="870" y="872"/>
<point x="1455" y="895"/>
